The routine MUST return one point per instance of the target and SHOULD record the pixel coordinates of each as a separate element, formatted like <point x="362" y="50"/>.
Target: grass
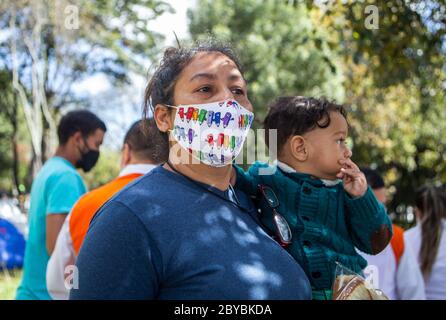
<point x="9" y="281"/>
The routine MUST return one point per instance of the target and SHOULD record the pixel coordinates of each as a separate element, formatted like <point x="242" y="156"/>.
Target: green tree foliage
<point x="7" y="124"/>
<point x="79" y="38"/>
<point x="392" y="78"/>
<point x="396" y="80"/>
<point x="283" y="51"/>
<point x="47" y="47"/>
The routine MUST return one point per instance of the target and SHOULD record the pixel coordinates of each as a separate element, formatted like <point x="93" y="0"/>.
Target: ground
<point x="9" y="281"/>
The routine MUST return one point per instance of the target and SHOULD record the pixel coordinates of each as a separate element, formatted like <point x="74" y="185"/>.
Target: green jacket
<point x="326" y="223"/>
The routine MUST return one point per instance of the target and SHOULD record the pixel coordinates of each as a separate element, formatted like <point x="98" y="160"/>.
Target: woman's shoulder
<point x="150" y="185"/>
<point x="142" y="198"/>
<point x="412" y="231"/>
<point x="412" y="236"/>
<point x="152" y="194"/>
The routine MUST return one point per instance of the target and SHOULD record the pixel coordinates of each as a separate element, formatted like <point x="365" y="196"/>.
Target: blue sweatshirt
<point x="167" y="237"/>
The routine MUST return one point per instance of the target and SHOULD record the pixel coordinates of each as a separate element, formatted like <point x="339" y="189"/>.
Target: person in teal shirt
<point x="316" y="201"/>
<point x="54" y="191"/>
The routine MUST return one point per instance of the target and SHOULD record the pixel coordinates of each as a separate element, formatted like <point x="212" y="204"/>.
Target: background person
<point x="428" y="239"/>
<point x="399" y="275"/>
<point x="143" y="149"/>
<point x="54" y="191"/>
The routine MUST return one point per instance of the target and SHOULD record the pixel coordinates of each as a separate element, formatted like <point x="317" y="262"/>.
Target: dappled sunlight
<point x="256" y="275"/>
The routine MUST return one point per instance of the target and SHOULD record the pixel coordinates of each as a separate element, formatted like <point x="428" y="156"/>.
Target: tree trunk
<point x="15" y="151"/>
<point x="32" y="170"/>
<point x="44" y="140"/>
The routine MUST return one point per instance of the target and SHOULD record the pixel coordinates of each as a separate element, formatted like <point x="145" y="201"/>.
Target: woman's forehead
<point x="210" y="63"/>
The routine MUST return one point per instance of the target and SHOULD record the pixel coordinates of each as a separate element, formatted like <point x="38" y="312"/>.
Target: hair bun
<point x="170" y="51"/>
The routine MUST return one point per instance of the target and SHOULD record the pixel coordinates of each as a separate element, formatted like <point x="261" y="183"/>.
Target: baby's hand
<point x="355" y="182"/>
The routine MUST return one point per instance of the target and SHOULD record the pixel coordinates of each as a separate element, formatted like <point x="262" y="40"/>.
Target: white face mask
<point x="213" y="133"/>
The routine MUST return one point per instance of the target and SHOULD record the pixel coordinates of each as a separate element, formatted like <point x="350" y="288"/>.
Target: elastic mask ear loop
<point x="170" y="106"/>
<point x="170" y="131"/>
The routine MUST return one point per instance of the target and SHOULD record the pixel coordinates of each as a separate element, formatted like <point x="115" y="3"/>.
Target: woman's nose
<point x="224" y="94"/>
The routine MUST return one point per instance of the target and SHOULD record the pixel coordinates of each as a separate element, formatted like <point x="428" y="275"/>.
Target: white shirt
<point x="435" y="286"/>
<point x="398" y="282"/>
<point x="60" y="268"/>
<point x="137" y="168"/>
<point x="286" y="168"/>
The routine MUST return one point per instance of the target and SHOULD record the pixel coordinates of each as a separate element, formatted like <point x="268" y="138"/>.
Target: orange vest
<point x="397" y="242"/>
<point x="86" y="207"/>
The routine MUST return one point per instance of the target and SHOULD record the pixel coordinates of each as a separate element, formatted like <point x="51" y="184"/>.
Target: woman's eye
<point x="204" y="89"/>
<point x="238" y="91"/>
<point x="340" y="141"/>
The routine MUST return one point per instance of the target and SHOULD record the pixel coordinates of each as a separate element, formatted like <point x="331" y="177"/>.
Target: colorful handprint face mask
<point x="213" y="133"/>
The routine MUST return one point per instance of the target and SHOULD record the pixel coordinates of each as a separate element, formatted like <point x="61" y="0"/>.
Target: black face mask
<point x="88" y="160"/>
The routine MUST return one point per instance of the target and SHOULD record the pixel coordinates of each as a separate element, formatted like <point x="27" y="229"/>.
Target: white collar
<point x="137" y="169"/>
<point x="330" y="183"/>
<point x="286" y="168"/>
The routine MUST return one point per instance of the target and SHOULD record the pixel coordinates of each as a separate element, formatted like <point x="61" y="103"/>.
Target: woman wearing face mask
<point x="428" y="239"/>
<point x="54" y="191"/>
<point x="181" y="232"/>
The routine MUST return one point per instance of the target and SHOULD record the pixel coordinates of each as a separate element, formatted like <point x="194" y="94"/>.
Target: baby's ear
<point x="298" y="148"/>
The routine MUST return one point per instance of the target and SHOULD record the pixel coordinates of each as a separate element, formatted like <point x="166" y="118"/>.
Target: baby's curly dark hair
<point x="296" y="115"/>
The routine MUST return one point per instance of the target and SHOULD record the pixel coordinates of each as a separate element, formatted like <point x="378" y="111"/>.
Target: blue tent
<point x="12" y="246"/>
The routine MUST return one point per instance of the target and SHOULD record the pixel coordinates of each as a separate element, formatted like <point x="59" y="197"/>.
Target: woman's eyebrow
<point x="209" y="76"/>
<point x="213" y="76"/>
<point x="236" y="77"/>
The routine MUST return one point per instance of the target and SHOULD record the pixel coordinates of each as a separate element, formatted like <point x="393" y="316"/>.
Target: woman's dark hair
<point x="160" y="89"/>
<point x="298" y="115"/>
<point x="145" y="141"/>
<point x="431" y="202"/>
<point x="79" y="120"/>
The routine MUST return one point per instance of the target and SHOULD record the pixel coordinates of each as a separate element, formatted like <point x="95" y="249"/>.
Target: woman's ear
<point x="298" y="148"/>
<point x="163" y="118"/>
